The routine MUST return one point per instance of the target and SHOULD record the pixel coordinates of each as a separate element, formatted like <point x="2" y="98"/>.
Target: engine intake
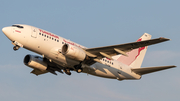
<point x="35" y="62"/>
<point x="73" y="52"/>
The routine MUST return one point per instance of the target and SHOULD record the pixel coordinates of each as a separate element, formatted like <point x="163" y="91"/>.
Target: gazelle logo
<point x="132" y="55"/>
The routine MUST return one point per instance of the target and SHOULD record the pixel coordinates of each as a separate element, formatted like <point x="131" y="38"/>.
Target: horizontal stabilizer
<point x="146" y="70"/>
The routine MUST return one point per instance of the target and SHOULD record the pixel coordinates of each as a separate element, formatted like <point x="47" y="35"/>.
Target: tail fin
<point x="136" y="56"/>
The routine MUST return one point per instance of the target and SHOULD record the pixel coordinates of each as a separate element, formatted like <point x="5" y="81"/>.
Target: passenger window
<point x="39" y="33"/>
<point x="52" y="38"/>
<point x="44" y="35"/>
<point x="47" y="36"/>
<point x="57" y="40"/>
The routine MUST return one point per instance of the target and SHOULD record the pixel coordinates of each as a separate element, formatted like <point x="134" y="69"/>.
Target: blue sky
<point x="93" y="23"/>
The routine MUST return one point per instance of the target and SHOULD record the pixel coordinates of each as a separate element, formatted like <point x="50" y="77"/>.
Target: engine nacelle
<point x="35" y="62"/>
<point x="73" y="52"/>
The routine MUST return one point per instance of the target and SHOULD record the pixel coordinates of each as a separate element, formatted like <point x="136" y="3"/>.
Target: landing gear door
<point x="33" y="32"/>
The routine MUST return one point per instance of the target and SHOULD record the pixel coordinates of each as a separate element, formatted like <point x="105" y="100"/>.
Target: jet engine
<point x="35" y="62"/>
<point x="73" y="52"/>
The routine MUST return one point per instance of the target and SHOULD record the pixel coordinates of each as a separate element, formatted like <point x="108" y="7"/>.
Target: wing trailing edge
<point x="38" y="72"/>
<point x="146" y="70"/>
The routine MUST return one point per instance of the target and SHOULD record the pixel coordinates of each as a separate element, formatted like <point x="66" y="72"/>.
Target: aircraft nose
<point x="6" y="30"/>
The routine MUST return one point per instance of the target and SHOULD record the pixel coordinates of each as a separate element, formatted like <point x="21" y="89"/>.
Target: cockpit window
<point x="18" y="26"/>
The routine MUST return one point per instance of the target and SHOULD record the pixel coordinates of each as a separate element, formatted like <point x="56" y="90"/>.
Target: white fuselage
<point x="49" y="45"/>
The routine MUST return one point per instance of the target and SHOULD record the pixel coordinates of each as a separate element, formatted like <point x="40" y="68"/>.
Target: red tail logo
<point x="132" y="55"/>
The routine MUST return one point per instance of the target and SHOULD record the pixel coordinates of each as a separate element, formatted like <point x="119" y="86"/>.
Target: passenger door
<point x="34" y="32"/>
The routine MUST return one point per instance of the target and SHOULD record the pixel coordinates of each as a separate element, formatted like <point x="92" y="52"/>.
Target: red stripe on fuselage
<point x="18" y="31"/>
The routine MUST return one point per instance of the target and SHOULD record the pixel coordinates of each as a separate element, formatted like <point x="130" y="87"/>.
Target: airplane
<point x="121" y="62"/>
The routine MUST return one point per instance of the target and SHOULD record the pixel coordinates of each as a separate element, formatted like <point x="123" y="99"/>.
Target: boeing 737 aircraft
<point x="122" y="61"/>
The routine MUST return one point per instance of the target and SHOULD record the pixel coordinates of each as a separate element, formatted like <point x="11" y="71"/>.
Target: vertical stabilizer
<point x="136" y="56"/>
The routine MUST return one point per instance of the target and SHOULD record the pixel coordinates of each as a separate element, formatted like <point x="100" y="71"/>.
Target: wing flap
<point x="146" y="70"/>
<point x="38" y="72"/>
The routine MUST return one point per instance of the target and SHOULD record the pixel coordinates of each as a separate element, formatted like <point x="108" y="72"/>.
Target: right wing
<point x="109" y="51"/>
